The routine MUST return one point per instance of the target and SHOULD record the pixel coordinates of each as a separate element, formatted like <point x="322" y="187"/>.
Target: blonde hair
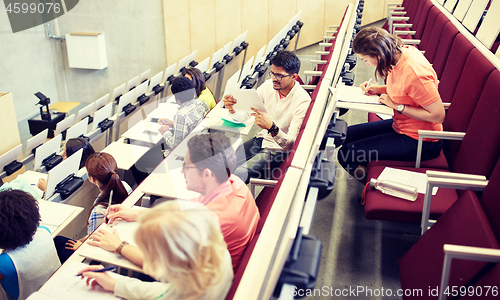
<point x="183" y="247"/>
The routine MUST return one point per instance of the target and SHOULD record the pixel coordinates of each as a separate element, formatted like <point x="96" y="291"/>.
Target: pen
<point x="112" y="268"/>
<point x="368" y="85"/>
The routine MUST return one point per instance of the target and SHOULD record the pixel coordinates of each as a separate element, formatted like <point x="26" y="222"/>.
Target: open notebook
<point x="66" y="285"/>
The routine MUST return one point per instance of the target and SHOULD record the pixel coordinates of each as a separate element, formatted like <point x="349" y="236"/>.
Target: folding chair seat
<point x="477" y="153"/>
<point x="468" y="222"/>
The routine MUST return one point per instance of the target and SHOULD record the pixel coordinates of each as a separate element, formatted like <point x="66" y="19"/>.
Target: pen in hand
<point x="112" y="268"/>
<point x="367" y="86"/>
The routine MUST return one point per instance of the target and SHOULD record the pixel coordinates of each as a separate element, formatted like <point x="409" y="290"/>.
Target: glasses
<point x="188" y="167"/>
<point x="278" y="76"/>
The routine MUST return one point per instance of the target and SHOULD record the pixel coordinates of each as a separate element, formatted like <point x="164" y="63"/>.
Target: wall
<point x="207" y="25"/>
<point x="30" y="62"/>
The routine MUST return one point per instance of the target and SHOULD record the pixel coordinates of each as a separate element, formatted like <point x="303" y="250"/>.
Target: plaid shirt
<point x="189" y="115"/>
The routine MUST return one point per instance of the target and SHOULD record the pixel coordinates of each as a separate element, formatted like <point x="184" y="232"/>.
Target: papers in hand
<point x="418" y="180"/>
<point x="245" y="99"/>
<point x="355" y="94"/>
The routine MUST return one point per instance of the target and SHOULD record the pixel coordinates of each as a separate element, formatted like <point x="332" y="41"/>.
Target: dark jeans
<point x="62" y="252"/>
<point x="253" y="164"/>
<point x="378" y="141"/>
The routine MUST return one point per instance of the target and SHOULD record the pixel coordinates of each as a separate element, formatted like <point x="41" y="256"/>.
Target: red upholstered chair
<point x="479" y="150"/>
<point x="468" y="222"/>
<point x="444" y="43"/>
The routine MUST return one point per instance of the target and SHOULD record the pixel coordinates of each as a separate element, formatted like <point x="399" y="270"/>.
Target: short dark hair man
<point x="191" y="113"/>
<point x="286" y="103"/>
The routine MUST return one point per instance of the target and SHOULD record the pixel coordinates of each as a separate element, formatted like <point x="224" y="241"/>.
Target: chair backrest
<point x="443" y="48"/>
<point x="491" y="202"/>
<point x="428" y="29"/>
<point x="459" y="52"/>
<point x="480" y="147"/>
<point x="420" y="23"/>
<point x="434" y="35"/>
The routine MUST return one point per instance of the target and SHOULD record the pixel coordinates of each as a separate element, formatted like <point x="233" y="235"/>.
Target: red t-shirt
<point x="413" y="82"/>
<point x="238" y="214"/>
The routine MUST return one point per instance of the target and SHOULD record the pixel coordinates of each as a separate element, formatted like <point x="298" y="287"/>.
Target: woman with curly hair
<point x="29" y="257"/>
<point x="183" y="249"/>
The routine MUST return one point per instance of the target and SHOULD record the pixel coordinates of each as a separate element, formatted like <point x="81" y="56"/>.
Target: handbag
<point x="68" y="186"/>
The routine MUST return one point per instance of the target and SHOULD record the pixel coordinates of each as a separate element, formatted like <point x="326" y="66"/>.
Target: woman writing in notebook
<point x="411" y="90"/>
<point x="183" y="249"/>
<point x="101" y="171"/>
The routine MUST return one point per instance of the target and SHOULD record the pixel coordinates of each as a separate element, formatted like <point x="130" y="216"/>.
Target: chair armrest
<point x="328" y="38"/>
<point x="313" y="73"/>
<point x="395" y="12"/>
<point x="443" y="135"/>
<point x="399" y="18"/>
<point x="458" y="176"/>
<point x="402" y="25"/>
<point x="432" y="182"/>
<point x="322" y="52"/>
<point x="261" y="182"/>
<point x="333" y="26"/>
<point x="318" y="61"/>
<point x="411" y="42"/>
<point x="308" y="86"/>
<point x="446" y="105"/>
<point x="464" y="252"/>
<point x="404" y="32"/>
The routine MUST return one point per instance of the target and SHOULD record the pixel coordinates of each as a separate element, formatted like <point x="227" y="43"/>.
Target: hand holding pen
<point x="97" y="276"/>
<point x="367" y="87"/>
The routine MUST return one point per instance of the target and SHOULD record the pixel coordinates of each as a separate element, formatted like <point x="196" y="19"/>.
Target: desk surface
<point x="64" y="107"/>
<point x="126" y="155"/>
<point x="375" y="108"/>
<point x="56" y="216"/>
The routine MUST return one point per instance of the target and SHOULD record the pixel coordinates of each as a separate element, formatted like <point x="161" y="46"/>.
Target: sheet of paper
<point x="32" y="177"/>
<point x="418" y="180"/>
<point x="247" y="99"/>
<point x="54" y="214"/>
<point x="66" y="285"/>
<point x="356" y="95"/>
<point x="384" y="116"/>
<point x="126" y="231"/>
<point x="165" y="110"/>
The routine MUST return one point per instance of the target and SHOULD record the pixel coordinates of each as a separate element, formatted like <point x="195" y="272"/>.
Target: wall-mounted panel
<point x="255" y="19"/>
<point x="227" y="21"/>
<point x="280" y="13"/>
<point x="177" y="20"/>
<point x="202" y="27"/>
<point x="313" y="30"/>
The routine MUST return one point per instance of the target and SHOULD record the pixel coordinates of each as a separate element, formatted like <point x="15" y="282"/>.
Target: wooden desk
<point x="64" y="107"/>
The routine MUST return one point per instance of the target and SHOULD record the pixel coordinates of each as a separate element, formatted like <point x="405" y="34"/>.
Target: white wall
<point x="30" y="62"/>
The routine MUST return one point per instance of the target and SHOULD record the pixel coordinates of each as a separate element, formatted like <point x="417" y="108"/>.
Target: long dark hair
<point x="197" y="77"/>
<point x="378" y="43"/>
<point x="102" y="167"/>
<point x="75" y="144"/>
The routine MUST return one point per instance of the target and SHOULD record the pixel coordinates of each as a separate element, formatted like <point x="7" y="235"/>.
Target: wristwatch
<point x="400" y="108"/>
<point x="273" y="130"/>
<point x="120" y="247"/>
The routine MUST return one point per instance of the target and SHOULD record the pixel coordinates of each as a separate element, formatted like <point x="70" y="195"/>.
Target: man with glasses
<point x="207" y="170"/>
<point x="286" y="103"/>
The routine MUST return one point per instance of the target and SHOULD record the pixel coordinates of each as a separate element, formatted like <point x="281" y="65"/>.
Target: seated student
<point x="411" y="90"/>
<point x="101" y="171"/>
<point x="70" y="147"/>
<point x="202" y="91"/>
<point x="29" y="257"/>
<point x="183" y="249"/>
<point x="207" y="170"/>
<point x="286" y="103"/>
<point x="191" y="113"/>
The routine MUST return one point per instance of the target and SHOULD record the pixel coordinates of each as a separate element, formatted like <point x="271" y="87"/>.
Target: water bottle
<point x="395" y="189"/>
